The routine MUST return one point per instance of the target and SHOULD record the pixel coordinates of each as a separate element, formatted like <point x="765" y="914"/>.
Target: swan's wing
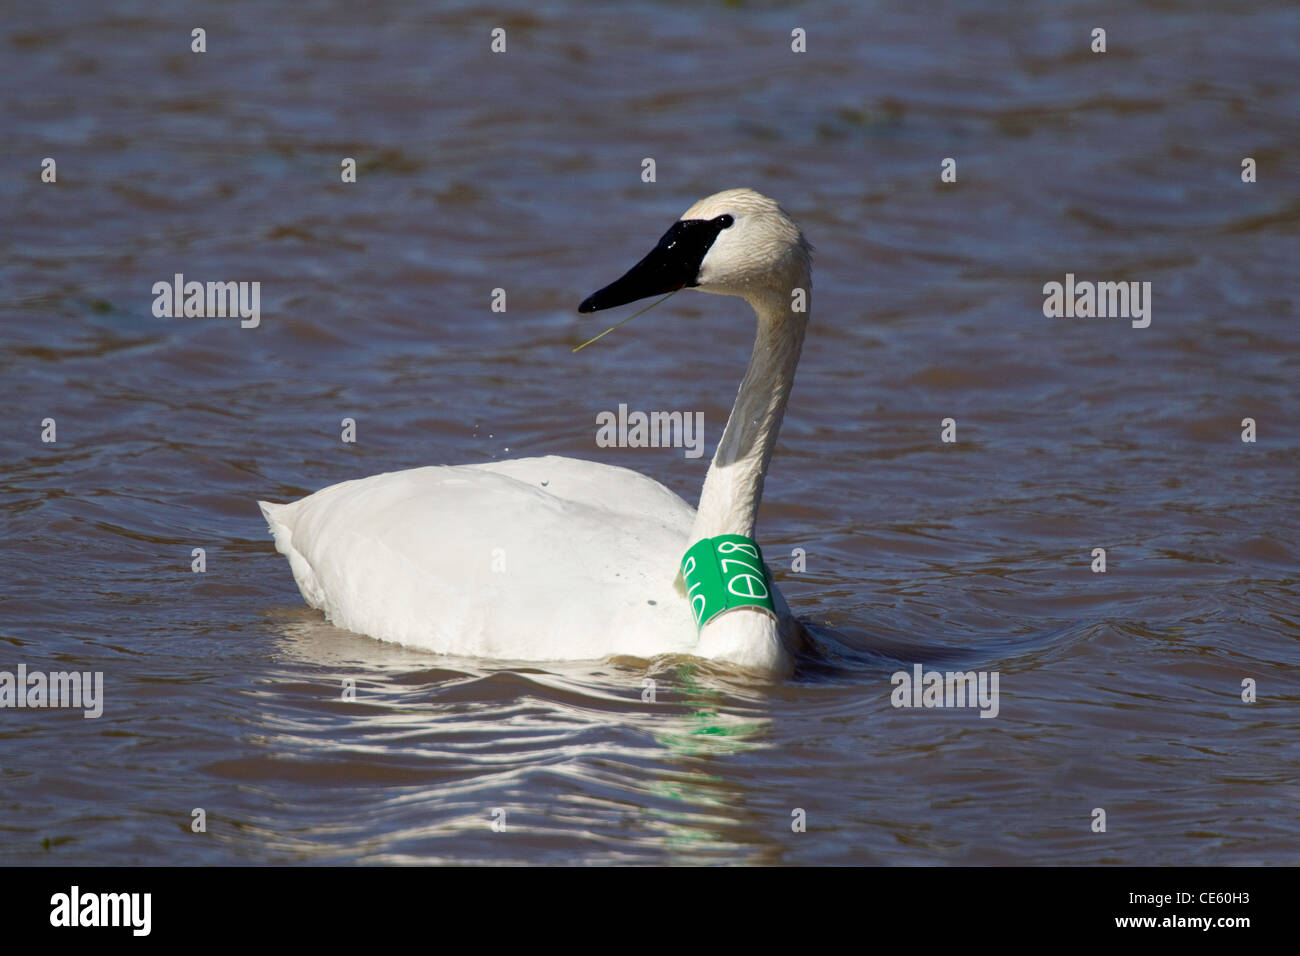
<point x="534" y="559"/>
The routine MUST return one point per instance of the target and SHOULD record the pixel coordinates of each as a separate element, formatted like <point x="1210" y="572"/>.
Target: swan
<point x="554" y="558"/>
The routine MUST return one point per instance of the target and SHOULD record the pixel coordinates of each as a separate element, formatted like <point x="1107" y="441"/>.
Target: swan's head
<point x="736" y="242"/>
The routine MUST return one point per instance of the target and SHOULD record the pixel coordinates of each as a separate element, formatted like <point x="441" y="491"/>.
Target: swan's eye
<point x="724" y="221"/>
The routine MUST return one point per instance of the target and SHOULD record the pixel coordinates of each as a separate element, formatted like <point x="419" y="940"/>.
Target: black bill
<point x="671" y="265"/>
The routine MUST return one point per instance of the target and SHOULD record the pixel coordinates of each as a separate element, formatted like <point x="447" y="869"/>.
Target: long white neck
<point x="734" y="484"/>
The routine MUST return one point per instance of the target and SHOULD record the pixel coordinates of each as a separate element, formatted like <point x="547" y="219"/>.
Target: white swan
<point x="560" y="559"/>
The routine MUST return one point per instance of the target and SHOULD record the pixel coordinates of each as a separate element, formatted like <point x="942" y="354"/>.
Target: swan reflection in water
<point x="569" y="751"/>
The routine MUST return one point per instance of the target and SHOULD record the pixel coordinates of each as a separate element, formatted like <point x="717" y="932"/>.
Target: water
<point x="522" y="171"/>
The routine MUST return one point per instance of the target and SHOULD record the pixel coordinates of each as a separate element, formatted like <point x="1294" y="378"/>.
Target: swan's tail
<point x="278" y="520"/>
<point x="283" y="535"/>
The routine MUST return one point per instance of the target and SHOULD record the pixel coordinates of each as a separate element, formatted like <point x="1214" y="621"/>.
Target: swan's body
<point x="561" y="559"/>
<point x="532" y="559"/>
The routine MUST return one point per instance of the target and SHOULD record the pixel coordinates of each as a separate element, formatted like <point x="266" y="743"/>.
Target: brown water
<point x="522" y="171"/>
